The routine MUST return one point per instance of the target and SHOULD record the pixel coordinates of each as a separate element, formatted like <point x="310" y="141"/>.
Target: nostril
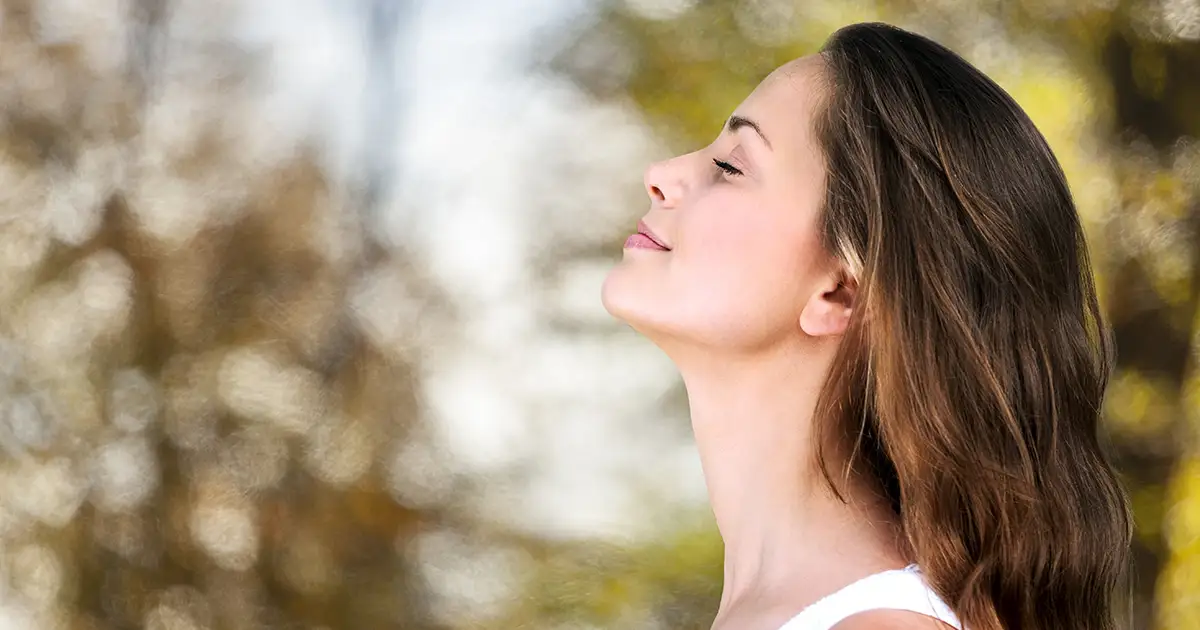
<point x="657" y="193"/>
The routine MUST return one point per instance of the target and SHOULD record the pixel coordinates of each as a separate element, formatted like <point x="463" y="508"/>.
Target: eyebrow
<point x="737" y="122"/>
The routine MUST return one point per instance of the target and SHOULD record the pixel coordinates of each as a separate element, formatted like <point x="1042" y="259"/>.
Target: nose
<point x="663" y="184"/>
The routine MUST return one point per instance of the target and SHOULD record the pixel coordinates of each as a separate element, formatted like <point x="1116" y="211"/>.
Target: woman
<point x="875" y="286"/>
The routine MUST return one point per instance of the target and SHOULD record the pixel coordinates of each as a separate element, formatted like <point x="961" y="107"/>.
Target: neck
<point x="752" y="417"/>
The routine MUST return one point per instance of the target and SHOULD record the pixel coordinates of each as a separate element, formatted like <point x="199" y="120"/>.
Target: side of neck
<point x="776" y="515"/>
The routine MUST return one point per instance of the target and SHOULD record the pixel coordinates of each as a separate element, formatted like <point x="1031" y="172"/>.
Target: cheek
<point x="739" y="281"/>
<point x="749" y="256"/>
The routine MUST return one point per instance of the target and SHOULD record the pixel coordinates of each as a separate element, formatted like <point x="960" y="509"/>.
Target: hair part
<point x="970" y="382"/>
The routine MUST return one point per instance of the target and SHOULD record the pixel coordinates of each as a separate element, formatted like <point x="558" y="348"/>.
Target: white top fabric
<point x="899" y="589"/>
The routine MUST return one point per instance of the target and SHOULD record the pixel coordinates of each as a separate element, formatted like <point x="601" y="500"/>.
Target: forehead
<point x="785" y="103"/>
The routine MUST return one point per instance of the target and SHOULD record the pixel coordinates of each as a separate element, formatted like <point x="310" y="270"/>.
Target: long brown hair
<point x="970" y="382"/>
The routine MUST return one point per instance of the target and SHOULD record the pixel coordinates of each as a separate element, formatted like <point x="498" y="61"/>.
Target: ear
<point x="827" y="312"/>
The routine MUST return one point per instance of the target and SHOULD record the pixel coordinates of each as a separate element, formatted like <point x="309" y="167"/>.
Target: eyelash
<point x="727" y="168"/>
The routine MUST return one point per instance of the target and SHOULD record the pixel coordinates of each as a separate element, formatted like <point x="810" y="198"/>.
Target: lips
<point x="646" y="239"/>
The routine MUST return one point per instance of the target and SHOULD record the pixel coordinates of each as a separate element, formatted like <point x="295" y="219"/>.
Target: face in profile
<point x="729" y="255"/>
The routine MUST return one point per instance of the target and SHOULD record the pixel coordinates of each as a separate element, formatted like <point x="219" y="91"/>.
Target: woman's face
<point x="744" y="267"/>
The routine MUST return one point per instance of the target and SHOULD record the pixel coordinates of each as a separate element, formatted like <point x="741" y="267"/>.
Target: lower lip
<point x="641" y="241"/>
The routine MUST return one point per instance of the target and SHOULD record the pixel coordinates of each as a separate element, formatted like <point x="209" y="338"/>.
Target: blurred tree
<point x="194" y="432"/>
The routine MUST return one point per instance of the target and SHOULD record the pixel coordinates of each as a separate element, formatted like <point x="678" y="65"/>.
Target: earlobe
<point x="828" y="312"/>
<point x="822" y="318"/>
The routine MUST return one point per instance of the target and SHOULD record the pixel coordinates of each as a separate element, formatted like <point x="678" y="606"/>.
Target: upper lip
<point x="645" y="230"/>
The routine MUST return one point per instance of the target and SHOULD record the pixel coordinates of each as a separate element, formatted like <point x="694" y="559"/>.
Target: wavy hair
<point x="970" y="381"/>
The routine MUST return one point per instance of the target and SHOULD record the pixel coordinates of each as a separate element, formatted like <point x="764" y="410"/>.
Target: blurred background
<point x="299" y="299"/>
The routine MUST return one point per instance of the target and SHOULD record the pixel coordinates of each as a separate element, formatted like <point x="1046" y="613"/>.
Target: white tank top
<point x="899" y="589"/>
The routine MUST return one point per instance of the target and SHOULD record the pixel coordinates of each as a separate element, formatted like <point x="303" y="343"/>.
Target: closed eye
<point x="727" y="168"/>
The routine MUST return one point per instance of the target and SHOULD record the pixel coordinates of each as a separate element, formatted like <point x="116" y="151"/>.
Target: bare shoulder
<point x="891" y="620"/>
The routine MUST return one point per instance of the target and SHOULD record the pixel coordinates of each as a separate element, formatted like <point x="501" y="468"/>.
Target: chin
<point x="618" y="294"/>
<point x="627" y="295"/>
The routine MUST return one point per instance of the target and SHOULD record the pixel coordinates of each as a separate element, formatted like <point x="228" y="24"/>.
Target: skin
<point x="751" y="310"/>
